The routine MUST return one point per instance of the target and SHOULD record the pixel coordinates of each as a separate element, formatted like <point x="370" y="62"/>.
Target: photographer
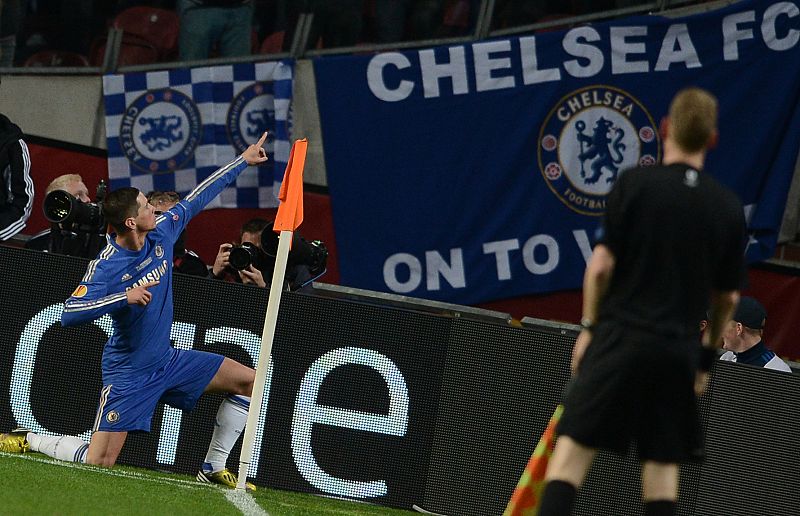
<point x="184" y="261"/>
<point x="77" y="234"/>
<point x="16" y="185"/>
<point x="253" y="261"/>
<point x="253" y="273"/>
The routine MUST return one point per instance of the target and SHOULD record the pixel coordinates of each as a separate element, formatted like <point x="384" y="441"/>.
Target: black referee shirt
<point x="676" y="234"/>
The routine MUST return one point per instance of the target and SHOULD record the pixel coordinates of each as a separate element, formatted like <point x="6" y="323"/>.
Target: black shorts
<point x="635" y="386"/>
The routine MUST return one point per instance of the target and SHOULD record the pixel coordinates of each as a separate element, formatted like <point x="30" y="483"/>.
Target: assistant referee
<point x="672" y="242"/>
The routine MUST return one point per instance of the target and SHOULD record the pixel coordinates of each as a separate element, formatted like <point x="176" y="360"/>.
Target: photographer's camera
<point x="77" y="225"/>
<point x="244" y="255"/>
<point x="60" y="207"/>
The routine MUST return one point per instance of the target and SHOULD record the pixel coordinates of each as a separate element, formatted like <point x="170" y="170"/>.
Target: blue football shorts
<point x="128" y="405"/>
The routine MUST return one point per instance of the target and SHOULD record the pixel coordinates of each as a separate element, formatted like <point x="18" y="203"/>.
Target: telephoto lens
<point x="242" y="256"/>
<point x="61" y="207"/>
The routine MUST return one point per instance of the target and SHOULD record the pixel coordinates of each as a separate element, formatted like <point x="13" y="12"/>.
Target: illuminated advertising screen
<point x="351" y="393"/>
<point x="393" y="406"/>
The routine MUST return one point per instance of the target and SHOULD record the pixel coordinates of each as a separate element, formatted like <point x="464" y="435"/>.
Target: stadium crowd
<point x="74" y="32"/>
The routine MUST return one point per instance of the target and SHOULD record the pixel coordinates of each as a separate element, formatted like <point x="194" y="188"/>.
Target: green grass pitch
<point x="34" y="484"/>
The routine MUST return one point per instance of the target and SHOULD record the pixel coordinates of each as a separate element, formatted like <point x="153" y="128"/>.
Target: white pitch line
<point x="187" y="484"/>
<point x="424" y="511"/>
<point x="244" y="502"/>
<point x="240" y="499"/>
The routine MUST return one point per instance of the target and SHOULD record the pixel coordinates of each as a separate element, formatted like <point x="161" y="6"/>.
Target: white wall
<point x="66" y="108"/>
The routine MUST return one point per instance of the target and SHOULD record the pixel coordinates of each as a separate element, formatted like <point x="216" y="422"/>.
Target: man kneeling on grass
<point x="140" y="366"/>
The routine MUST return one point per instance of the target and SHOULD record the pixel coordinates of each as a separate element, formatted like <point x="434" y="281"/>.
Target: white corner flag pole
<point x="267" y="336"/>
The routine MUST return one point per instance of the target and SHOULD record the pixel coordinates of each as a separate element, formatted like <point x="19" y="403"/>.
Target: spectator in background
<point x="516" y="13"/>
<point x="429" y="19"/>
<point x="121" y="5"/>
<point x="424" y="19"/>
<point x="254" y="274"/>
<point x="80" y="22"/>
<point x="16" y="185"/>
<point x="11" y="14"/>
<point x="49" y="240"/>
<point x="308" y="264"/>
<point x="226" y="24"/>
<point x="269" y="17"/>
<point x="72" y="184"/>
<point x="337" y="23"/>
<point x="162" y="201"/>
<point x="390" y="20"/>
<point x="184" y="261"/>
<point x="742" y="338"/>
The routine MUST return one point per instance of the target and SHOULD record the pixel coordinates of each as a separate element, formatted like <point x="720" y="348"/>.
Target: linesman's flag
<point x="290" y="211"/>
<point x="528" y="493"/>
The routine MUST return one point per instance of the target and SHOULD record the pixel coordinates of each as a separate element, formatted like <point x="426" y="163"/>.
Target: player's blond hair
<point x="693" y="119"/>
<point x="157" y="196"/>
<point x="61" y="182"/>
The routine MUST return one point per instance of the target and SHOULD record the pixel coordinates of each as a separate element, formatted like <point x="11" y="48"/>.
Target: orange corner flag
<point x="290" y="211"/>
<point x="527" y="496"/>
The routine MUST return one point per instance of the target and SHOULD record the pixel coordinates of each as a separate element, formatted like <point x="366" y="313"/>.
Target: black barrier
<point x="752" y="449"/>
<point x="499" y="389"/>
<point x="384" y="404"/>
<point x="483" y="441"/>
<point x="352" y="394"/>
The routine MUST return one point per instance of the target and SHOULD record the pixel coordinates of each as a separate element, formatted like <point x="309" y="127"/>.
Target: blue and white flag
<point x="168" y="130"/>
<point x="480" y="171"/>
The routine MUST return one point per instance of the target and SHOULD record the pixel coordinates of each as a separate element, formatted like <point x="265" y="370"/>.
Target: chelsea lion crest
<point x="160" y="131"/>
<point x="588" y="138"/>
<point x="252" y="113"/>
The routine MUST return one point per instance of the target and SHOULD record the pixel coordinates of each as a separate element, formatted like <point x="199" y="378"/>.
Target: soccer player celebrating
<point x="131" y="280"/>
<point x="673" y="239"/>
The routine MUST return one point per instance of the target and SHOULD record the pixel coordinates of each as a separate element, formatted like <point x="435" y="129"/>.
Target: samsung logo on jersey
<point x="154" y="275"/>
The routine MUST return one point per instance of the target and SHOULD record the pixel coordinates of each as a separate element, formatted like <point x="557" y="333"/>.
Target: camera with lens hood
<point x="243" y="256"/>
<point x="77" y="228"/>
<point x="306" y="262"/>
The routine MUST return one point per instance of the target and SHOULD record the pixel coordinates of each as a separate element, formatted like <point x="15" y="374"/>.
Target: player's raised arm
<point x="221" y="178"/>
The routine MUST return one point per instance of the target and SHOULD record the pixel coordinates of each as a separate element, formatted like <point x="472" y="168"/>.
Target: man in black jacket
<point x="16" y="185"/>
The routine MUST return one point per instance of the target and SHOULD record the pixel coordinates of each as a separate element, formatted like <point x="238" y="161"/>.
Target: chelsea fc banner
<point x="169" y="130"/>
<point x="480" y="171"/>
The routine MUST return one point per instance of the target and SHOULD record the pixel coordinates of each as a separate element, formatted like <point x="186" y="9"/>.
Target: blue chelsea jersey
<point x="140" y="341"/>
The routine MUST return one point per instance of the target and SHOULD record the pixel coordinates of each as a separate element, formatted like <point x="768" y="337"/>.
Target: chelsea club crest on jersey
<point x="588" y="138"/>
<point x="160" y="131"/>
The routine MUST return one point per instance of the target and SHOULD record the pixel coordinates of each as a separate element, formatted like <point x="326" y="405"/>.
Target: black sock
<point x="659" y="508"/>
<point x="557" y="498"/>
